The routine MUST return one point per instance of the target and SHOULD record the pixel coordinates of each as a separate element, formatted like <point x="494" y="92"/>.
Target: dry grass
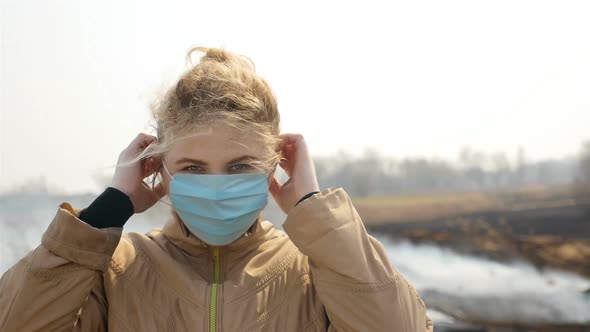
<point x="405" y="208"/>
<point x="381" y="210"/>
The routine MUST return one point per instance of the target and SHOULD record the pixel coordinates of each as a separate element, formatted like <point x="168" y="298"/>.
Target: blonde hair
<point x="222" y="87"/>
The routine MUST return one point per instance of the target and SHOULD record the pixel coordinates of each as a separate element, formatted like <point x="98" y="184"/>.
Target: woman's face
<point x="219" y="150"/>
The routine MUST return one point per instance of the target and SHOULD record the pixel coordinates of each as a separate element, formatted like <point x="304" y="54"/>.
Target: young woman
<point x="215" y="265"/>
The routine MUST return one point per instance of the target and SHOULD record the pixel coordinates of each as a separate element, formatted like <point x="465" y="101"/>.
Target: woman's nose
<point x="217" y="171"/>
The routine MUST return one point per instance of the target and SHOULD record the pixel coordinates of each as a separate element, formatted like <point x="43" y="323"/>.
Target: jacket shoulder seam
<point x="360" y="288"/>
<point x="270" y="275"/>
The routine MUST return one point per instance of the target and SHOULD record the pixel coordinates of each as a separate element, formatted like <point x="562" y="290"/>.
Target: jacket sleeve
<point x="58" y="286"/>
<point x="353" y="276"/>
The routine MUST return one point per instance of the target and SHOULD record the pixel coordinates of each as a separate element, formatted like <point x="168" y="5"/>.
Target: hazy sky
<point x="407" y="78"/>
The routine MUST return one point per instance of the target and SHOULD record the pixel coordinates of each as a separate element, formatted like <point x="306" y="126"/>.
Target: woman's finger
<point x="160" y="190"/>
<point x="142" y="141"/>
<point x="288" y="139"/>
<point x="141" y="138"/>
<point x="275" y="186"/>
<point x="291" y="137"/>
<point x="287" y="166"/>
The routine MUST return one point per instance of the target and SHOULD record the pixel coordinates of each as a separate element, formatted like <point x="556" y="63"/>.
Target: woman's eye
<point x="238" y="167"/>
<point x="193" y="168"/>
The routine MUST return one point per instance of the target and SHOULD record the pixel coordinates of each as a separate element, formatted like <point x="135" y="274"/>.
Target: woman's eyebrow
<point x="235" y="160"/>
<point x="191" y="160"/>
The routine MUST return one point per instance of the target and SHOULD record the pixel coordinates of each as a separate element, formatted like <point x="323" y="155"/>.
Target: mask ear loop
<point x="163" y="202"/>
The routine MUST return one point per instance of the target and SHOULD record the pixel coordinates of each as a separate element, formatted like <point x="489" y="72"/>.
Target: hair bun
<point x="220" y="55"/>
<point x="216" y="54"/>
<point x="211" y="54"/>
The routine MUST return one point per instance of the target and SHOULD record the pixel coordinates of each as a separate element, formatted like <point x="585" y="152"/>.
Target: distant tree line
<point x="582" y="179"/>
<point x="584" y="174"/>
<point x="374" y="174"/>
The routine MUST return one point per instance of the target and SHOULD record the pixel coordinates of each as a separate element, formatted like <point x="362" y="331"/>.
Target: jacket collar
<point x="177" y="232"/>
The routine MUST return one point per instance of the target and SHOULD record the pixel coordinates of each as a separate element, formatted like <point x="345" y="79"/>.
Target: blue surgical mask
<point x="218" y="208"/>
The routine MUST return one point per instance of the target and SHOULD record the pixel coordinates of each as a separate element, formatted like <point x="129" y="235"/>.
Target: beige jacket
<point x="328" y="274"/>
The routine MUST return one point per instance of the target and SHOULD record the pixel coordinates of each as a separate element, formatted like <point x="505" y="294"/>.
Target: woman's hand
<point x="301" y="171"/>
<point x="129" y="179"/>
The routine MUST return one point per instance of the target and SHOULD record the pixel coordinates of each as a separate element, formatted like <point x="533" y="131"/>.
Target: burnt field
<point x="547" y="227"/>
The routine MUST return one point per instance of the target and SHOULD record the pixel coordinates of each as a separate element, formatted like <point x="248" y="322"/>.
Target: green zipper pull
<point x="214" y="290"/>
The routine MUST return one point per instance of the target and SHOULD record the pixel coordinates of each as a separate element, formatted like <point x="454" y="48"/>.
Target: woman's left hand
<point x="301" y="171"/>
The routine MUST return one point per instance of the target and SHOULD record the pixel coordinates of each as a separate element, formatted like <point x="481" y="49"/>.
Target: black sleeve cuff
<point x="307" y="196"/>
<point x="111" y="209"/>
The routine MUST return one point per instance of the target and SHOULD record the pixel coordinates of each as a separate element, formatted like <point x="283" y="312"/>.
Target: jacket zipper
<point x="214" y="291"/>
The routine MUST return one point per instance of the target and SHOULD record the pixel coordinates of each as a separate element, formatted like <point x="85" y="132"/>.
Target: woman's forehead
<point x="217" y="142"/>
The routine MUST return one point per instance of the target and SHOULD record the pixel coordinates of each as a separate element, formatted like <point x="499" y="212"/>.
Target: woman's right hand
<point x="129" y="179"/>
